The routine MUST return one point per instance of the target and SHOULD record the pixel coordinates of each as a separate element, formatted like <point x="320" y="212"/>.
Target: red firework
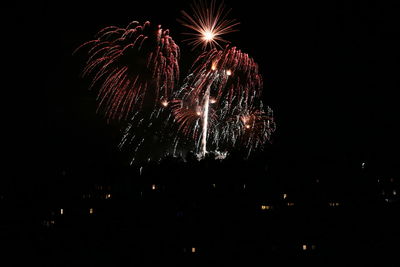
<point x="133" y="65"/>
<point x="230" y="75"/>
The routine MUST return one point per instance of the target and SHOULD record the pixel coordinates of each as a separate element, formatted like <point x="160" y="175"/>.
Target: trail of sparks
<point x="205" y="122"/>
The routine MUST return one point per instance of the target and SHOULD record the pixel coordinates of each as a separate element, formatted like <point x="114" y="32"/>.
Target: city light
<point x="266" y="207"/>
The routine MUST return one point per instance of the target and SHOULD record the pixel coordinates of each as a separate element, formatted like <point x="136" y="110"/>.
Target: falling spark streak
<point x="205" y="122"/>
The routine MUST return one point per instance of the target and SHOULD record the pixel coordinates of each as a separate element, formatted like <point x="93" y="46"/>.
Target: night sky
<point x="330" y="70"/>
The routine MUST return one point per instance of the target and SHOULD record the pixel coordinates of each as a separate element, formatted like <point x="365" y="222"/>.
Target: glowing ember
<point x="164" y="103"/>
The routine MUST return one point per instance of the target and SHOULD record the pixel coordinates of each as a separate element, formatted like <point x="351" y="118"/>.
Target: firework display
<point x="217" y="107"/>
<point x="220" y="102"/>
<point x="135" y="65"/>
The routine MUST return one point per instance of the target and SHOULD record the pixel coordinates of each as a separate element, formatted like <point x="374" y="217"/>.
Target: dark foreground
<point x="209" y="213"/>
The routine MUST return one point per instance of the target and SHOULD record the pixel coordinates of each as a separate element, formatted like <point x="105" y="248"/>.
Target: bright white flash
<point x="208" y="36"/>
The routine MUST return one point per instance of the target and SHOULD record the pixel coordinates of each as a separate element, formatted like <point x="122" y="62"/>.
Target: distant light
<point x="108" y="196"/>
<point x="244" y="186"/>
<point x="213" y="67"/>
<point x="228" y="72"/>
<point x="266" y="207"/>
<point x="61" y="211"/>
<point x="213" y="185"/>
<point x="363" y="165"/>
<point x="284" y="196"/>
<point x="334" y="204"/>
<point x="290" y="204"/>
<point x="304" y="247"/>
<point x="213" y="101"/>
<point x="153" y="187"/>
<point x="394" y="192"/>
<point x="247" y="126"/>
<point x="193" y="250"/>
<point x="198" y="113"/>
<point x="86" y="196"/>
<point x="91" y="211"/>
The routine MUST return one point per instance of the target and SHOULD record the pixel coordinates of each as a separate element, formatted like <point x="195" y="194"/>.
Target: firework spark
<point x="133" y="65"/>
<point x="209" y="23"/>
<point x="220" y="102"/>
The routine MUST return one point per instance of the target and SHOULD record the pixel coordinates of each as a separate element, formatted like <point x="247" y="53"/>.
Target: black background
<point x="330" y="72"/>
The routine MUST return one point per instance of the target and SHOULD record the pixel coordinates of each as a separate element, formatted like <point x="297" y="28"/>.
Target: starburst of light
<point x="208" y="23"/>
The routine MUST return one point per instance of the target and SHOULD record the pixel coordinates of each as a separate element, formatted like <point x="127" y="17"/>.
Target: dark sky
<point x="330" y="70"/>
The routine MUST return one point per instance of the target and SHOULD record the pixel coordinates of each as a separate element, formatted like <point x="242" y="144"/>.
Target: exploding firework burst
<point x="254" y="129"/>
<point x="218" y="107"/>
<point x="219" y="103"/>
<point x="209" y="24"/>
<point x="135" y="65"/>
